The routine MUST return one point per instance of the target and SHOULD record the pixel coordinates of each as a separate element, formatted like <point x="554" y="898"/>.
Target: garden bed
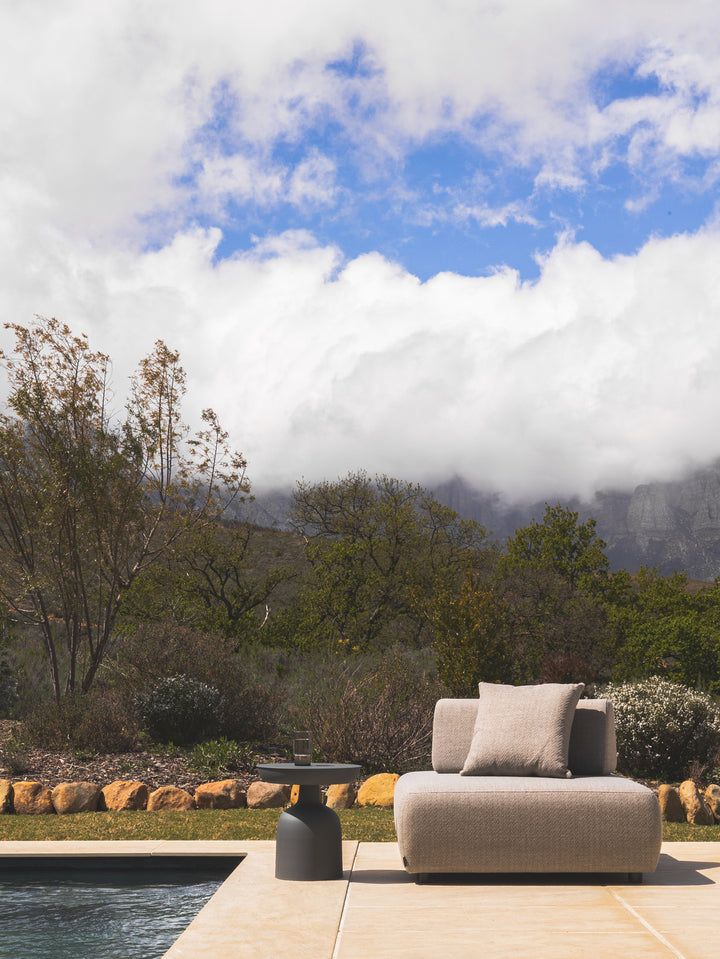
<point x="159" y="766"/>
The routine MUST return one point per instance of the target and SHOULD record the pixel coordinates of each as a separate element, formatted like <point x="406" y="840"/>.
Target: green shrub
<point x="252" y="696"/>
<point x="14" y="756"/>
<point x="180" y="709"/>
<point x="216" y="757"/>
<point x="663" y="728"/>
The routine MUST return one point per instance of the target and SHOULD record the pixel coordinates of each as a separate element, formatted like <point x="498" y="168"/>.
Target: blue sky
<point x="449" y="203"/>
<point x="428" y="238"/>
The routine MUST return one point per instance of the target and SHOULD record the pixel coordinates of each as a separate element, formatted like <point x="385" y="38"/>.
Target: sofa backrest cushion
<point x="523" y="730"/>
<point x="592" y="748"/>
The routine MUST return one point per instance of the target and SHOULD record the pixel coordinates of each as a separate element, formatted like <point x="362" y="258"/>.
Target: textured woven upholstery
<point x="592" y="737"/>
<point x="593" y="822"/>
<point x="523" y="730"/>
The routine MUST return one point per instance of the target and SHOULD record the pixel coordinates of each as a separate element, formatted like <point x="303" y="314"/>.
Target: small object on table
<point x="309" y="838"/>
<point x="302" y="747"/>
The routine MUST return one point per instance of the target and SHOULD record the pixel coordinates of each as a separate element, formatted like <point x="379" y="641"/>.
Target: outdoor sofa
<point x="522" y="783"/>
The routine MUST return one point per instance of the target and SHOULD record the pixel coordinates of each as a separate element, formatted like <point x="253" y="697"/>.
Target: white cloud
<point x="601" y="373"/>
<point x="116" y="106"/>
<point x="238" y="178"/>
<point x="121" y="122"/>
<point x="313" y="181"/>
<point x="515" y="211"/>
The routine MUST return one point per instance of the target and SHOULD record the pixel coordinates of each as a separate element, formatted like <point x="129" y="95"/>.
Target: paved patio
<point x="377" y="910"/>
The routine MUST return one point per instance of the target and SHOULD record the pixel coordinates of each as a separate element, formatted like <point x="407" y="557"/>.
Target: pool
<point x="133" y="907"/>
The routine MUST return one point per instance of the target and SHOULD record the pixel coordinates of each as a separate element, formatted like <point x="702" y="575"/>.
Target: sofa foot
<point x="420" y="878"/>
<point x="635" y="877"/>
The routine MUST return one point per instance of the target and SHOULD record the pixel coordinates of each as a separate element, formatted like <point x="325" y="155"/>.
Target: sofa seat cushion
<point x="503" y="824"/>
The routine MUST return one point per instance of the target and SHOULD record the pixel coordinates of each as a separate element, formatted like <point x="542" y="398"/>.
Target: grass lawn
<point x="681" y="832"/>
<point x="365" y="825"/>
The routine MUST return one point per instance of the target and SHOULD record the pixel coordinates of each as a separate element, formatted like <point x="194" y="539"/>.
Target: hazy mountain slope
<point x="669" y="525"/>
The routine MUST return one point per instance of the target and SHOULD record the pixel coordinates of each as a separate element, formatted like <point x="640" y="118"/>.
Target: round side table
<point x="309" y="839"/>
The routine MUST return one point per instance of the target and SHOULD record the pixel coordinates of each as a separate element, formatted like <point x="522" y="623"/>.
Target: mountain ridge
<point x="671" y="525"/>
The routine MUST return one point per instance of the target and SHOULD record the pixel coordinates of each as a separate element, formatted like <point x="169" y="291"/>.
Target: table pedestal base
<point x="309" y="840"/>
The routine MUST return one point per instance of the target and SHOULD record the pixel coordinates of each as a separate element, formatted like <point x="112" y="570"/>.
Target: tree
<point x="558" y="634"/>
<point x="553" y="577"/>
<point x="89" y="499"/>
<point x="472" y="642"/>
<point x="216" y="581"/>
<point x="666" y="630"/>
<point x="377" y="549"/>
<point x="572" y="549"/>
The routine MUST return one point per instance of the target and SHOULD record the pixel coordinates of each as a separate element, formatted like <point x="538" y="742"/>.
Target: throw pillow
<point x="522" y="730"/>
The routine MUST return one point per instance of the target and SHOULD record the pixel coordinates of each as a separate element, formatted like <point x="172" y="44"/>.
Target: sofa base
<point x="447" y="823"/>
<point x="423" y="878"/>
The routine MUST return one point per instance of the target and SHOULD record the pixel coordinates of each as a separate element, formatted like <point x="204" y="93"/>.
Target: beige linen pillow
<point x="522" y="730"/>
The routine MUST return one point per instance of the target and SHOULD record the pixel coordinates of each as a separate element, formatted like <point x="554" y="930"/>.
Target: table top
<point x="316" y="774"/>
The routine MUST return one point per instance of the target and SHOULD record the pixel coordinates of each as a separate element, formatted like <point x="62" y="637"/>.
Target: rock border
<point x="686" y="803"/>
<point x="26" y="797"/>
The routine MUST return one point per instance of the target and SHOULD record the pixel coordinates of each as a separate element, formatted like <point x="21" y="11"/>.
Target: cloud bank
<point x="602" y="373"/>
<point x="136" y="141"/>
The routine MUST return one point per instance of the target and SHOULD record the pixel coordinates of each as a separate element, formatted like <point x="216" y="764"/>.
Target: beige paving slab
<point x="140" y="847"/>
<point x="253" y="913"/>
<point x="387" y="914"/>
<point x="681" y="900"/>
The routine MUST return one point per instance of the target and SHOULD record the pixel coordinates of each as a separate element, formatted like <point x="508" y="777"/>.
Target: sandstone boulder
<point x="30" y="798"/>
<point x="6" y="796"/>
<point x="124" y="794"/>
<point x="75" y="797"/>
<point x="341" y="796"/>
<point x="378" y="790"/>
<point x="227" y="794"/>
<point x="261" y="795"/>
<point x="697" y="811"/>
<point x="712" y="798"/>
<point x="170" y="797"/>
<point x="670" y="806"/>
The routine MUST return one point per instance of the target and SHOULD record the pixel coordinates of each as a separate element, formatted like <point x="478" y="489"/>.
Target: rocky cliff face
<point x="671" y="526"/>
<point x="674" y="526"/>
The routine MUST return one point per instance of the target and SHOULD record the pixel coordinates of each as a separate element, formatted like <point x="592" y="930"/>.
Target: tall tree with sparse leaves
<point x="90" y="498"/>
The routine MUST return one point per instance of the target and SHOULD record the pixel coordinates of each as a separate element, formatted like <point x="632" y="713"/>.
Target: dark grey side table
<point x="309" y="839"/>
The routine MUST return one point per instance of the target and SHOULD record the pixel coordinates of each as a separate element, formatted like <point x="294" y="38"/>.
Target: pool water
<point x="101" y="913"/>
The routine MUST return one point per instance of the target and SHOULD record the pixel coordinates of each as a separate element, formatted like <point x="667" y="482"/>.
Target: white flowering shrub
<point x="663" y="727"/>
<point x="180" y="709"/>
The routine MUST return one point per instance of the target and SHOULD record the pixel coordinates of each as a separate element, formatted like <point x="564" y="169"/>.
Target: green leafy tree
<point x="472" y="641"/>
<point x="664" y="629"/>
<point x="89" y="499"/>
<point x="553" y="577"/>
<point x="558" y="634"/>
<point x="377" y="549"/>
<point x="559" y="542"/>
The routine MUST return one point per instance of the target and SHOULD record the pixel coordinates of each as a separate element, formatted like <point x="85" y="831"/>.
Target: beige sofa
<point x="589" y="821"/>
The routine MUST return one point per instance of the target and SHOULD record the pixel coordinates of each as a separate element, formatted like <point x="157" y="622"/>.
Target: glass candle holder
<point x="302" y="747"/>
